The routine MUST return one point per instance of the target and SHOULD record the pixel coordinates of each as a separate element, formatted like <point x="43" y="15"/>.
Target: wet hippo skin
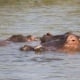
<point x="27" y="48"/>
<point x="21" y="38"/>
<point x="49" y="37"/>
<point x="67" y="42"/>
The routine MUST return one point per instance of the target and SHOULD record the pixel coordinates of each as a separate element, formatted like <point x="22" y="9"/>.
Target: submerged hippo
<point x="68" y="43"/>
<point x="21" y="38"/>
<point x="27" y="48"/>
<point x="49" y="37"/>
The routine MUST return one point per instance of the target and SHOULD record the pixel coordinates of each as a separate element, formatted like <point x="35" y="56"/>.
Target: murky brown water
<point x="57" y="19"/>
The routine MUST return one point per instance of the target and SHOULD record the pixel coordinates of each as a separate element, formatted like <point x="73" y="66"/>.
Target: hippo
<point x="65" y="43"/>
<point x="27" y="48"/>
<point x="45" y="38"/>
<point x="21" y="38"/>
<point x="69" y="43"/>
<point x="48" y="37"/>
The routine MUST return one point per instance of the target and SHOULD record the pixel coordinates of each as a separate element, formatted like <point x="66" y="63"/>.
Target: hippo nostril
<point x="73" y="40"/>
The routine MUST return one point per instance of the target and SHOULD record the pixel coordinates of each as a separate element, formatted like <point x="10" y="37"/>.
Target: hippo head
<point x="27" y="48"/>
<point x="72" y="43"/>
<point x="16" y="38"/>
<point x="21" y="38"/>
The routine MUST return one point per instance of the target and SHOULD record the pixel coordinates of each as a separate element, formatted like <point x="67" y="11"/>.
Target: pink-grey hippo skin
<point x="21" y="38"/>
<point x="66" y="43"/>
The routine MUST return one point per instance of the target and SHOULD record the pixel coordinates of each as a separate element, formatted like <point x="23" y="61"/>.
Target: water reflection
<point x="37" y="59"/>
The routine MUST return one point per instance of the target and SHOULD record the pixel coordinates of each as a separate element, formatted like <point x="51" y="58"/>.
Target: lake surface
<point x="38" y="20"/>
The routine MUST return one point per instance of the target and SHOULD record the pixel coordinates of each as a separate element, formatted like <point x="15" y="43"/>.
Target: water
<point x="20" y="19"/>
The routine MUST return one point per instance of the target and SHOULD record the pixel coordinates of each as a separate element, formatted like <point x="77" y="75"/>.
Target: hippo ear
<point x="68" y="33"/>
<point x="48" y="34"/>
